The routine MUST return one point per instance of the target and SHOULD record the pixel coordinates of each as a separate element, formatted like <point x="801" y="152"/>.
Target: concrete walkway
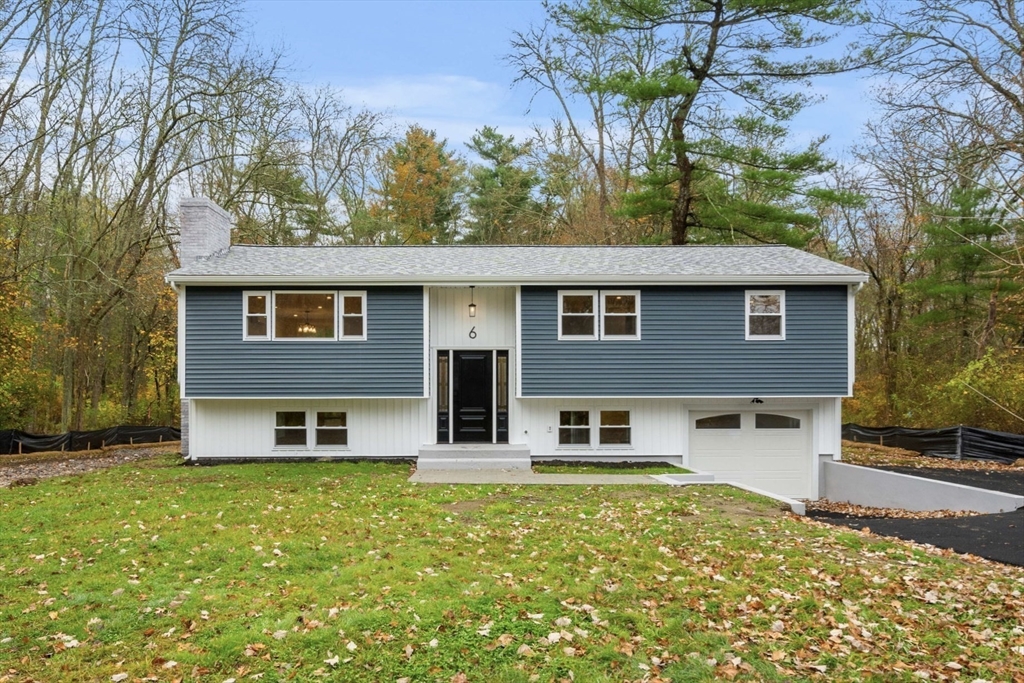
<point x="527" y="477"/>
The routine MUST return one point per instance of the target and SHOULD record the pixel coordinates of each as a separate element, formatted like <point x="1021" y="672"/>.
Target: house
<point x="731" y="360"/>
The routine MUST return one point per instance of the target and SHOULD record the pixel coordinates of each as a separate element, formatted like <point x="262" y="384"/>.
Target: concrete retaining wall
<point x="870" y="487"/>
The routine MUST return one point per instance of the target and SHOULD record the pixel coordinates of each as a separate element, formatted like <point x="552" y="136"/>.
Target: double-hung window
<point x="574" y="428"/>
<point x="615" y="430"/>
<point x="331" y="429"/>
<point x="765" y="315"/>
<point x="577" y="314"/>
<point x="353" y="315"/>
<point x="257" y="315"/>
<point x="620" y="315"/>
<point x="290" y="429"/>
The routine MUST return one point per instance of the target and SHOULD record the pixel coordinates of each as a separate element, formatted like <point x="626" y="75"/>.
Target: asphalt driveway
<point x="998" y="537"/>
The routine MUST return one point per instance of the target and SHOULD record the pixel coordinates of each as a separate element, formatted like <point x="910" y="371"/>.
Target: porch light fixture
<point x="307" y="327"/>
<point x="472" y="303"/>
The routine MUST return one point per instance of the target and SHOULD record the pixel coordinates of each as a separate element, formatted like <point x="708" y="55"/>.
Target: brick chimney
<point x="205" y="230"/>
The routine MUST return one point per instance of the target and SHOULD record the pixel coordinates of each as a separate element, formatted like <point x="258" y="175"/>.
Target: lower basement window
<point x="331" y="429"/>
<point x="290" y="428"/>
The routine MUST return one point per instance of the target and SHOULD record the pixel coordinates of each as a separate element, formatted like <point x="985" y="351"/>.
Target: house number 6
<point x="472" y="333"/>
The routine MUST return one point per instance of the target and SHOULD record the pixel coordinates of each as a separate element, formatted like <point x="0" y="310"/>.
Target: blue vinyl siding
<point x="219" y="363"/>
<point x="692" y="344"/>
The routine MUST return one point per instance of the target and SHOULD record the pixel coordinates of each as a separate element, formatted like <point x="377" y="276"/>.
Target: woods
<point x="675" y="127"/>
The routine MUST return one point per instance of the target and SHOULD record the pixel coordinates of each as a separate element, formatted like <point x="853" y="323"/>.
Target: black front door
<point x="472" y="396"/>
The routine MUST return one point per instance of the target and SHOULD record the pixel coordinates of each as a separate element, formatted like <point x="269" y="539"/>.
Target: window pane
<point x="442" y="381"/>
<point x="620" y="303"/>
<point x="578" y="304"/>
<point x="291" y="419"/>
<point x="352" y="327"/>
<point x="730" y="421"/>
<point x="765" y="303"/>
<point x="770" y="421"/>
<point x="502" y="373"/>
<point x="257" y="304"/>
<point x="574" y="436"/>
<point x="290" y="437"/>
<point x="353" y="305"/>
<point x="256" y="325"/>
<point x="766" y="325"/>
<point x="330" y="420"/>
<point x="621" y="325"/>
<point x="614" y="435"/>
<point x="332" y="437"/>
<point x="574" y="418"/>
<point x="577" y="326"/>
<point x="614" y="418"/>
<point x="304" y="316"/>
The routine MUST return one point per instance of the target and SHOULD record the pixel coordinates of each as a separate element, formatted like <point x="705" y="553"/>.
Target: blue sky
<point x="440" y="63"/>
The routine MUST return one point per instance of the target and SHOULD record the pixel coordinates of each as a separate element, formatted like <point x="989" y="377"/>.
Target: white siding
<point x="244" y="428"/>
<point x="495" y="320"/>
<point x="658" y="428"/>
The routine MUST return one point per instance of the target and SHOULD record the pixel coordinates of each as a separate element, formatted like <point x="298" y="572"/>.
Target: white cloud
<point x="454" y="106"/>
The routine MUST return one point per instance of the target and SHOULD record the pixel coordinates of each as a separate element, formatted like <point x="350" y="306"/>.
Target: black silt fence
<point x="956" y="443"/>
<point x="13" y="441"/>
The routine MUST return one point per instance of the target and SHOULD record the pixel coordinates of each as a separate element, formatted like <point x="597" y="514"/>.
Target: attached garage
<point x="769" y="450"/>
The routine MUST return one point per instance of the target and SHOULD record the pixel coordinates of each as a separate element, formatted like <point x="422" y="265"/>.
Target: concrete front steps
<point x="474" y="456"/>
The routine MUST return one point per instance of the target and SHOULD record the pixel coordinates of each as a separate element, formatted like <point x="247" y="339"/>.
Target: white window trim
<point x="781" y="293"/>
<point x="245" y="315"/>
<point x="614" y="446"/>
<point x="589" y="446"/>
<point x="329" y="447"/>
<point x="635" y="293"/>
<point x="311" y="428"/>
<point x="592" y="293"/>
<point x="339" y="315"/>
<point x="273" y="332"/>
<point x="291" y="447"/>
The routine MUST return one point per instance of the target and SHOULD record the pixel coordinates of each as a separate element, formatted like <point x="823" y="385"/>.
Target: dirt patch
<point x="467" y="506"/>
<point x="875" y="455"/>
<point x="744" y="512"/>
<point x="29" y="469"/>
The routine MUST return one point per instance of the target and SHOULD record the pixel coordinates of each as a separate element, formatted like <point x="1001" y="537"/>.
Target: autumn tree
<point x="418" y="197"/>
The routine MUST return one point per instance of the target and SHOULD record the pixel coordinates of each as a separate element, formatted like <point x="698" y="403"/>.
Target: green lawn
<point x="608" y="468"/>
<point x="346" y="571"/>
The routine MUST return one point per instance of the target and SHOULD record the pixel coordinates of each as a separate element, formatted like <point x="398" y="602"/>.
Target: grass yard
<point x="607" y="468"/>
<point x="345" y="571"/>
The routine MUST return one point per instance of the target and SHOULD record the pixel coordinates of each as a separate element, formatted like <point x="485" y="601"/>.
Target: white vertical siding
<point x="658" y="428"/>
<point x="495" y="320"/>
<point x="244" y="428"/>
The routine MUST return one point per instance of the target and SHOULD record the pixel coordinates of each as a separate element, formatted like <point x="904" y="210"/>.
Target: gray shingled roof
<point x="515" y="264"/>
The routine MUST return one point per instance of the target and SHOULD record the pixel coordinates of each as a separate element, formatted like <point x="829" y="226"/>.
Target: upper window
<point x="353" y="315"/>
<point x="577" y="315"/>
<point x="766" y="315"/>
<point x="311" y="316"/>
<point x="620" y="315"/>
<point x="257" y="315"/>
<point x="304" y="315"/>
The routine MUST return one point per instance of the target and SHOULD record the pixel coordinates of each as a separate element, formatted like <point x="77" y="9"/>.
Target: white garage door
<point x="770" y="450"/>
